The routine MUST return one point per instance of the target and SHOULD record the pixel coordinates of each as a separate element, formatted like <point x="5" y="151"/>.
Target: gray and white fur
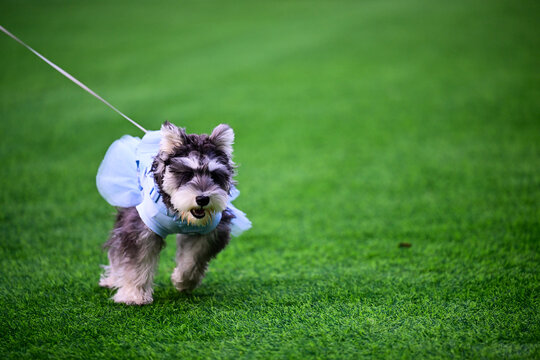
<point x="194" y="174"/>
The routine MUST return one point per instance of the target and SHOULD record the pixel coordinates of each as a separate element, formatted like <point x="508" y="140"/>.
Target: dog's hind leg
<point x="194" y="252"/>
<point x="133" y="256"/>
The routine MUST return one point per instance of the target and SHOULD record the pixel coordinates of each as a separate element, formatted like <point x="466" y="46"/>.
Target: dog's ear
<point x="223" y="137"/>
<point x="172" y="137"/>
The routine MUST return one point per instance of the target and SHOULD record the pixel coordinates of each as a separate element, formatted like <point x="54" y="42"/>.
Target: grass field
<point x="359" y="125"/>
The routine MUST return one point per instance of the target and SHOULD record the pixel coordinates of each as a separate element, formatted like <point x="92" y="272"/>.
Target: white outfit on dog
<point x="125" y="179"/>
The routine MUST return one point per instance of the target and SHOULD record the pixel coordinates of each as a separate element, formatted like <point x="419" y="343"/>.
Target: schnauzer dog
<point x="178" y="183"/>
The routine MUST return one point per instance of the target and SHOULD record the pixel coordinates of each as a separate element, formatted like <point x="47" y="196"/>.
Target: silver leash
<point x="66" y="74"/>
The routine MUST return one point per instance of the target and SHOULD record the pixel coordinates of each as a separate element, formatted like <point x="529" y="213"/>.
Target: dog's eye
<point x="184" y="176"/>
<point x="219" y="177"/>
<point x="187" y="175"/>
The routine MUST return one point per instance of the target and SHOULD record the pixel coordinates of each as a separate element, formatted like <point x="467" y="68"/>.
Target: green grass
<point x="359" y="125"/>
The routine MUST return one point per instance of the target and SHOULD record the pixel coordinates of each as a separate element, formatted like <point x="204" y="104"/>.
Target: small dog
<point x="185" y="187"/>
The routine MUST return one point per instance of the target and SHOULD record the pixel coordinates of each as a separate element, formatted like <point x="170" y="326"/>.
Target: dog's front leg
<point x="133" y="257"/>
<point x="137" y="274"/>
<point x="193" y="254"/>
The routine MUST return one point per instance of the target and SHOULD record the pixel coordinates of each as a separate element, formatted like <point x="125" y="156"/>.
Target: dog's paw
<point x="185" y="286"/>
<point x="106" y="282"/>
<point x="133" y="296"/>
<point x="182" y="284"/>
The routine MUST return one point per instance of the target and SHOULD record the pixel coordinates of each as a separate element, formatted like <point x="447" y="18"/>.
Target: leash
<point x="66" y="74"/>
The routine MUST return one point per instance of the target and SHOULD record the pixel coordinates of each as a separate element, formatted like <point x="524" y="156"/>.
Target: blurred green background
<point x="359" y="125"/>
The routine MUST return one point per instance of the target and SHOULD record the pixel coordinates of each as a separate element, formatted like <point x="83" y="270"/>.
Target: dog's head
<point x="194" y="173"/>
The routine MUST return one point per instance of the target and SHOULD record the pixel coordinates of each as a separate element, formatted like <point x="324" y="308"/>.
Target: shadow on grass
<point x="296" y="291"/>
<point x="250" y="292"/>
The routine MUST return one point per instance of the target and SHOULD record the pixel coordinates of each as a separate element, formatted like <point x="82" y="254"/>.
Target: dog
<point x="168" y="182"/>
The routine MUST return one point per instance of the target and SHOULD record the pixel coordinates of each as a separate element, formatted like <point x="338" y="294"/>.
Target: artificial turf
<point x="359" y="125"/>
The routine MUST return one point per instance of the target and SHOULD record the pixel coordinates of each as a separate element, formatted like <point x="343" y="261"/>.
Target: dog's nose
<point x="202" y="200"/>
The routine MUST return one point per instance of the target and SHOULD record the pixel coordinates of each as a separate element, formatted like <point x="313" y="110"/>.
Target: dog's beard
<point x="183" y="200"/>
